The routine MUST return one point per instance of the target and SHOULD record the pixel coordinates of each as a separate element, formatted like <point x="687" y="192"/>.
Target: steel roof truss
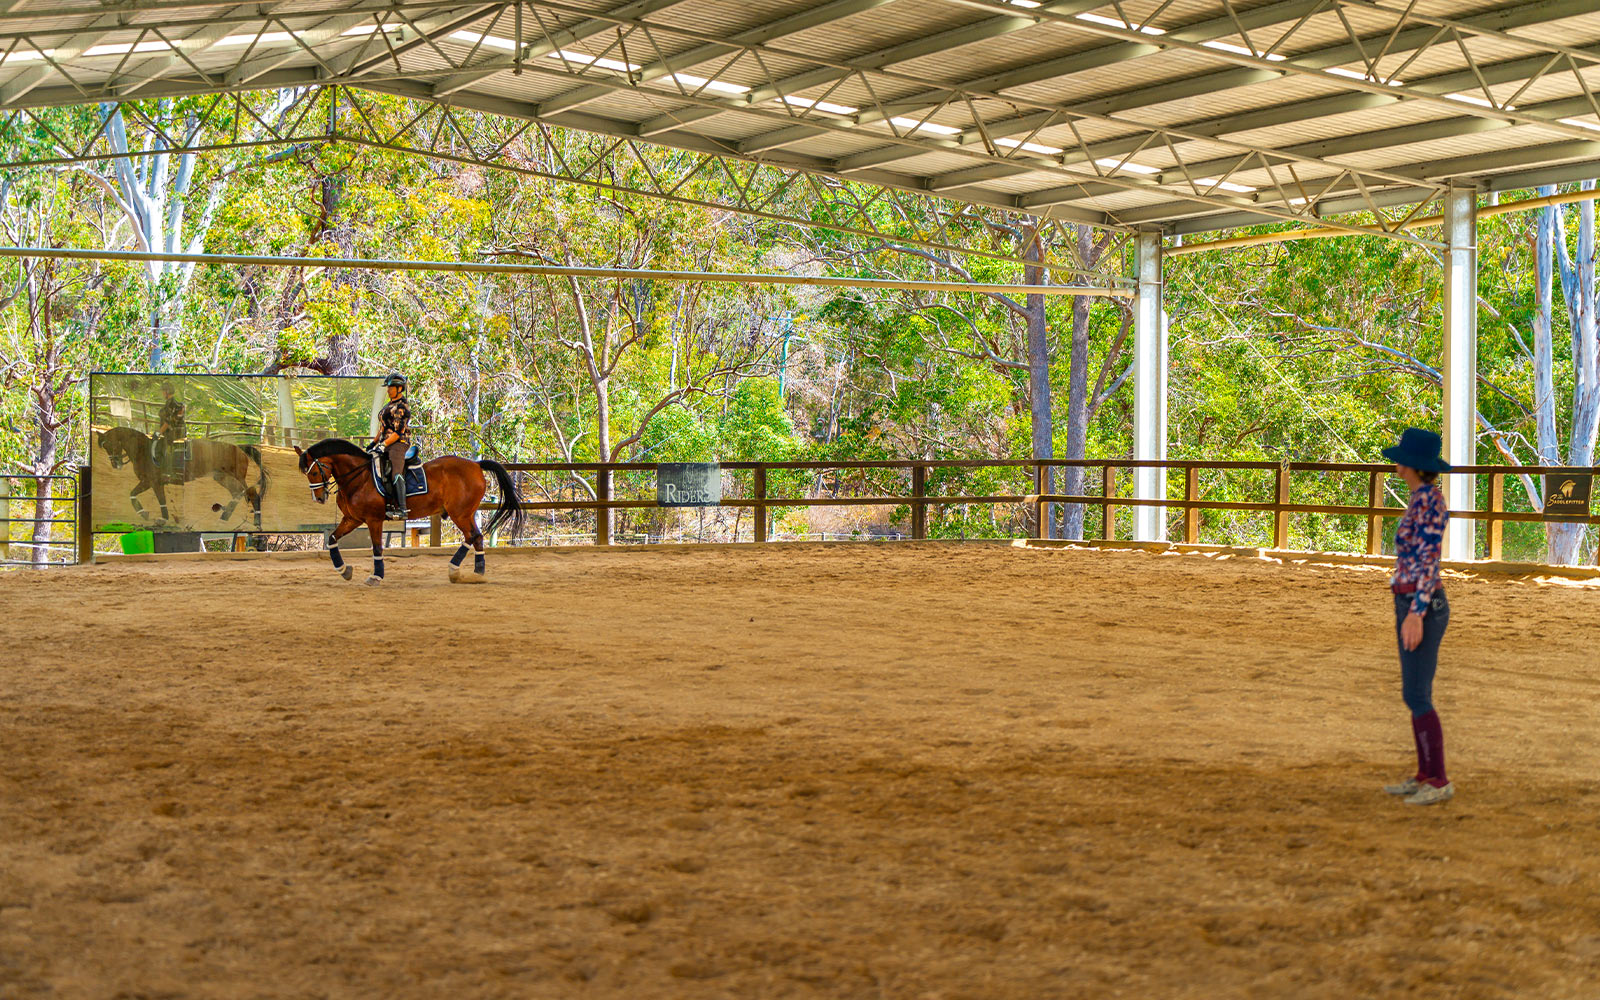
<point x="1298" y="10"/>
<point x="865" y="76"/>
<point x="1287" y="65"/>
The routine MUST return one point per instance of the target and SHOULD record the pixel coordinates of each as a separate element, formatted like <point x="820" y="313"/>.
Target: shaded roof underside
<point x="1190" y="115"/>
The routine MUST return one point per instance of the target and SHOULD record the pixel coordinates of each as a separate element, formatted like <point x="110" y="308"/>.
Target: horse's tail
<point x="510" y="509"/>
<point x="254" y="454"/>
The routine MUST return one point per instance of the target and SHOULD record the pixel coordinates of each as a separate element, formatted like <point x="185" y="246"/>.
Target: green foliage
<point x="1312" y="350"/>
<point x="755" y="426"/>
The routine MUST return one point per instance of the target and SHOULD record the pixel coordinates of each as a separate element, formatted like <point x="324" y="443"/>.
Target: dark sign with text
<point x="1566" y="496"/>
<point x="688" y="484"/>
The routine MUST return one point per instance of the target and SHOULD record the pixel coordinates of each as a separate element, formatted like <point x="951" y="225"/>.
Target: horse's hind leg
<point x="235" y="487"/>
<point x="470" y="535"/>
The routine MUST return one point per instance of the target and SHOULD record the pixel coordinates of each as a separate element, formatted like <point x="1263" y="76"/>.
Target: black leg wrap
<point x="477" y="563"/>
<point x="334" y="553"/>
<point x="377" y="562"/>
<point x="461" y="554"/>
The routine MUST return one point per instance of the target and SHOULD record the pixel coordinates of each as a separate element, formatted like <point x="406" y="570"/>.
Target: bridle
<point x="330" y="481"/>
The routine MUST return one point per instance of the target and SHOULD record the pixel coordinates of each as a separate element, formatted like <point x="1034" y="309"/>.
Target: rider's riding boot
<point x="400" y="496"/>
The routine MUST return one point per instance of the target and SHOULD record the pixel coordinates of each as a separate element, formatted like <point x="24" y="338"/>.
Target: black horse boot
<point x="400" y="505"/>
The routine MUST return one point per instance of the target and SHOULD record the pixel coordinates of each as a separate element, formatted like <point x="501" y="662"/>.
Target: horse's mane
<point x="122" y="432"/>
<point x="331" y="446"/>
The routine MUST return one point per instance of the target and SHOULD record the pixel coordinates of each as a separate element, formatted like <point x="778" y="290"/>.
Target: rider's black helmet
<point x="395" y="378"/>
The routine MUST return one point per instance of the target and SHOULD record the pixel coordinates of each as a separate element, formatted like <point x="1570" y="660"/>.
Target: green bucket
<point x="138" y="542"/>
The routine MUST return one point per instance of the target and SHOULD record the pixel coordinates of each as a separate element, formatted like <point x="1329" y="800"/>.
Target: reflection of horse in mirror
<point x="228" y="464"/>
<point x="456" y="487"/>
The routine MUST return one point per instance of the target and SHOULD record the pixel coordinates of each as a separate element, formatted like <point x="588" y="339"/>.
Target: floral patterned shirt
<point x="396" y="418"/>
<point x="1417" y="542"/>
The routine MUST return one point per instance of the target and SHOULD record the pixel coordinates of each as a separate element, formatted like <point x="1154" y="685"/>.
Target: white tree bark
<point x="154" y="190"/>
<point x="1577" y="271"/>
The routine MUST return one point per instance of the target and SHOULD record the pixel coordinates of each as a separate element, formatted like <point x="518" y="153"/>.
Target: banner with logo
<point x="1566" y="496"/>
<point x="688" y="484"/>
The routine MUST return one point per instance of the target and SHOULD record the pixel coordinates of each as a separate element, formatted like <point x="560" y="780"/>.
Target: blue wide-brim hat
<point x="1418" y="449"/>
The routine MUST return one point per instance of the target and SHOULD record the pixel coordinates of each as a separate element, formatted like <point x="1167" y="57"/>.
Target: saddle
<point x="171" y="458"/>
<point x="416" y="476"/>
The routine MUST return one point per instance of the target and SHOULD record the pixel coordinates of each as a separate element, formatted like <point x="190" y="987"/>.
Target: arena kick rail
<point x="1192" y="503"/>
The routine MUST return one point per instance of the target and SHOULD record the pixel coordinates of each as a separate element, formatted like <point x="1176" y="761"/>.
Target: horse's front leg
<point x="161" y="498"/>
<point x="133" y="501"/>
<point x="346" y="526"/>
<point x="375" y="528"/>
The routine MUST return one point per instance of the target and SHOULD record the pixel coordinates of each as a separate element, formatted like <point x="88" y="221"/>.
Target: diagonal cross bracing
<point x="1263" y="58"/>
<point x="715" y="80"/>
<point x="1405" y="41"/>
<point x="342" y="115"/>
<point x="1196" y="190"/>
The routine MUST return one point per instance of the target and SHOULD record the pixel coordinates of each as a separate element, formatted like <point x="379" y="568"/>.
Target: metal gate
<point x="41" y="519"/>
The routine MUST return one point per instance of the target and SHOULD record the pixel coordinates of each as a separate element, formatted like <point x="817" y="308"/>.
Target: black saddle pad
<point x="170" y="452"/>
<point x="416" y="482"/>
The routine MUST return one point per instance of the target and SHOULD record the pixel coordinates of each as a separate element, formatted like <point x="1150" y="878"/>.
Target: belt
<point x="1411" y="588"/>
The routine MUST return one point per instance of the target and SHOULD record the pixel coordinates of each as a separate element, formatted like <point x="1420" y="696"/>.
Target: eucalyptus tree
<point x="1020" y="337"/>
<point x="169" y="196"/>
<point x="1575" y="265"/>
<point x="640" y="347"/>
<point x="58" y="320"/>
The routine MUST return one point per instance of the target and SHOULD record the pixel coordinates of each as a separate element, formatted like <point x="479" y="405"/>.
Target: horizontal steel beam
<point x="1291" y="236"/>
<point x="553" y="270"/>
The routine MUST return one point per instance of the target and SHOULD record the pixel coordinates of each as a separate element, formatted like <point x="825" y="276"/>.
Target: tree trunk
<point x="1039" y="380"/>
<point x="1565" y="541"/>
<point x="344" y="349"/>
<point x="475" y="398"/>
<point x="159" y="361"/>
<point x="1561" y="540"/>
<point x="44" y="464"/>
<point x="1078" y="397"/>
<point x="46" y="418"/>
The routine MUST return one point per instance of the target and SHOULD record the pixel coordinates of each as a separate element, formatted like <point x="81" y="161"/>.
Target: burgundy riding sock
<point x="1422" y="750"/>
<point x="1430" y="737"/>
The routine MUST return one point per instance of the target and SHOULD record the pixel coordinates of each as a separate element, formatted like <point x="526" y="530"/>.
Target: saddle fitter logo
<point x="1566" y="496"/>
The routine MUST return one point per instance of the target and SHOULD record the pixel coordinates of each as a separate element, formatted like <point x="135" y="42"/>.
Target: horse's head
<point x="319" y="475"/>
<point x="116" y="445"/>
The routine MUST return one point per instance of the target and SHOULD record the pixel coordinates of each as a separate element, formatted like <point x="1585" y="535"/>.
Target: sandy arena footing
<point x="887" y="771"/>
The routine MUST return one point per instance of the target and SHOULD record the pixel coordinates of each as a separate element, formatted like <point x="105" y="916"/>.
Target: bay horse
<point x="228" y="464"/>
<point x="456" y="486"/>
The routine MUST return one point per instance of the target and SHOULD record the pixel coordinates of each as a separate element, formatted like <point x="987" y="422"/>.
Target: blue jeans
<point x="1417" y="666"/>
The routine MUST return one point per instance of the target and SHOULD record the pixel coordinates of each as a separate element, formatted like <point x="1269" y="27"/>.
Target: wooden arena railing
<point x="1191" y="502"/>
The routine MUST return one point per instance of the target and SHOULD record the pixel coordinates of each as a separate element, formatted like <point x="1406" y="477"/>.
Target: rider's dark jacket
<point x="172" y="418"/>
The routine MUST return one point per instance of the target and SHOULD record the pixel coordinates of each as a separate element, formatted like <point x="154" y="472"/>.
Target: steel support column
<point x="1149" y="392"/>
<point x="1460" y="366"/>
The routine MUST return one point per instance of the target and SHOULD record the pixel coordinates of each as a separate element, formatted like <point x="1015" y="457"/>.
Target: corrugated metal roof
<point x="1278" y="84"/>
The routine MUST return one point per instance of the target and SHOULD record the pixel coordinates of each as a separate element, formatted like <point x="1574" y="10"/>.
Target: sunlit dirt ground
<point x="896" y="771"/>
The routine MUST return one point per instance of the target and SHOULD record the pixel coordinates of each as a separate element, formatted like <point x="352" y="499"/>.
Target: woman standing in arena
<point x="1421" y="612"/>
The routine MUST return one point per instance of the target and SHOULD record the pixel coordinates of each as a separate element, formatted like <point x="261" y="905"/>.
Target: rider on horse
<point x="170" y="436"/>
<point x="394" y="435"/>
